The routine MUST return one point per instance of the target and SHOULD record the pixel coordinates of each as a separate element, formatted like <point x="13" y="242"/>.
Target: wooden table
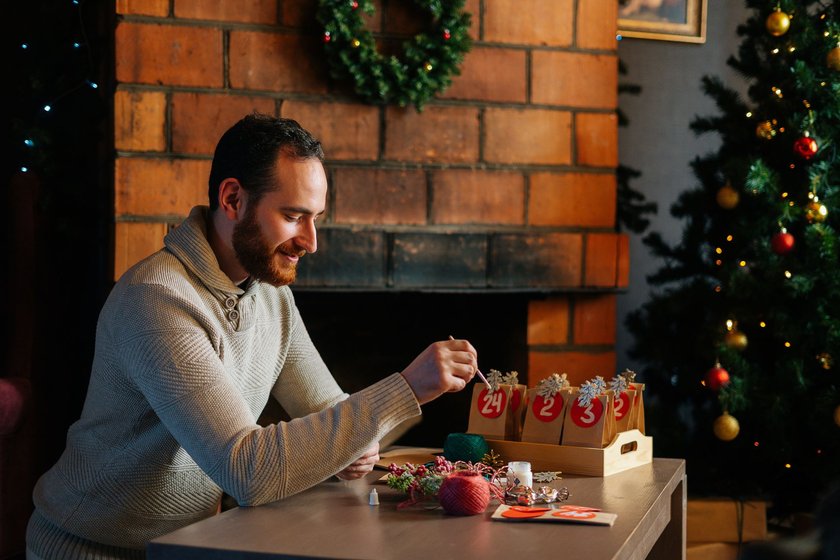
<point x="334" y="520"/>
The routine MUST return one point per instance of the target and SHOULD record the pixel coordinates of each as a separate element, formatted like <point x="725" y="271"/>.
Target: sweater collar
<point x="188" y="242"/>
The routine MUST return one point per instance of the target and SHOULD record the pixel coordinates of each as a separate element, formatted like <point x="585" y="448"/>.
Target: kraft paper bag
<point x="637" y="418"/>
<point x="590" y="425"/>
<point x="623" y="404"/>
<point x="489" y="411"/>
<point x="516" y="415"/>
<point x="544" y="416"/>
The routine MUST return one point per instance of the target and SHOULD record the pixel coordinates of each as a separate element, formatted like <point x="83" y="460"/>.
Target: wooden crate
<point x="629" y="449"/>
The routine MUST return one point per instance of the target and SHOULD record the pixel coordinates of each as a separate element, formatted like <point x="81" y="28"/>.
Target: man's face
<point x="273" y="234"/>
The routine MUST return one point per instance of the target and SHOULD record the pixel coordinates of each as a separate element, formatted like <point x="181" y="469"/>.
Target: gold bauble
<point x="825" y="360"/>
<point x="726" y="427"/>
<point x="777" y="23"/>
<point x="815" y="212"/>
<point x="766" y="130"/>
<point x="727" y="197"/>
<point x="736" y="340"/>
<point x="832" y="59"/>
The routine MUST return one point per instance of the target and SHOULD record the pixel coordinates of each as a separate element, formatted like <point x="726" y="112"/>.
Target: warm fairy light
<point x="788" y="274"/>
<point x="777" y="91"/>
<point x="718" y="289"/>
<point x="792" y="166"/>
<point x="826" y="33"/>
<point x="718" y="262"/>
<point x="743" y="263"/>
<point x="718" y="250"/>
<point x="775" y="51"/>
<point x="729" y="237"/>
<point x="762" y="324"/>
<point x="812" y="196"/>
<point x="730" y="324"/>
<point x="787" y="344"/>
<point x="787" y="465"/>
<point x="749" y="114"/>
<point x="822" y="84"/>
<point x="784" y="195"/>
<point x="791" y="49"/>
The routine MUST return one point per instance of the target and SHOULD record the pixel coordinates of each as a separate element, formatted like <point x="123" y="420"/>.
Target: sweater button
<point x="230" y="303"/>
<point x="233" y="315"/>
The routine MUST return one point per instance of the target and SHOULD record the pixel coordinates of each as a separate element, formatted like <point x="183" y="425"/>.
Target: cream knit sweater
<point x="184" y="363"/>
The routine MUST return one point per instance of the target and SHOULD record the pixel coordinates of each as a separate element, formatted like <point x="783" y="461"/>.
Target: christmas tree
<point x="741" y="337"/>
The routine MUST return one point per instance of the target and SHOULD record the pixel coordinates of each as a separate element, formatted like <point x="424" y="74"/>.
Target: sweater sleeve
<point x="174" y="362"/>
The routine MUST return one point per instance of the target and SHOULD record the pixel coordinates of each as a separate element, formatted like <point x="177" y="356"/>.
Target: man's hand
<point x="361" y="466"/>
<point x="443" y="367"/>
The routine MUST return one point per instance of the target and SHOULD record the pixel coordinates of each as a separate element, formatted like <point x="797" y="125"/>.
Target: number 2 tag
<point x="622" y="405"/>
<point x="491" y="405"/>
<point x="547" y="409"/>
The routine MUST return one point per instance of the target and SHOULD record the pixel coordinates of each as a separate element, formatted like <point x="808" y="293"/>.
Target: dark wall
<point x="658" y="141"/>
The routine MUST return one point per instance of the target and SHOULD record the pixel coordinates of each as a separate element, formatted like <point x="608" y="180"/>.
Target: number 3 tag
<point x="491" y="405"/>
<point x="587" y="416"/>
<point x="547" y="409"/>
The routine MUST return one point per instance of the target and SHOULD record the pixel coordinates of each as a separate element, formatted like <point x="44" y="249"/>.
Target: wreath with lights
<point x="425" y="68"/>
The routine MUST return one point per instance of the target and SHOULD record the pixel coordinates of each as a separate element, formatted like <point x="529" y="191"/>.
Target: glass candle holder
<point x="519" y="473"/>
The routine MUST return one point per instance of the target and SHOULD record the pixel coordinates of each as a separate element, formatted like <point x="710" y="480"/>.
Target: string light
<point x="788" y="274"/>
<point x="762" y="324"/>
<point x="787" y="344"/>
<point x="743" y="263"/>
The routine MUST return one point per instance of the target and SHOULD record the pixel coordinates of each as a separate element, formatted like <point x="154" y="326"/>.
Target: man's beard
<point x="258" y="258"/>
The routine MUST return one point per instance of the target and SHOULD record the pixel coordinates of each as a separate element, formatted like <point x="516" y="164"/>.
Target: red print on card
<point x="569" y="514"/>
<point x="622" y="405"/>
<point x="491" y="405"/>
<point x="547" y="409"/>
<point x="587" y="416"/>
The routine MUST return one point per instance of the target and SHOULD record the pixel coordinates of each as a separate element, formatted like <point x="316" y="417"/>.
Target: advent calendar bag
<point x="637" y="413"/>
<point x="624" y="403"/>
<point x="589" y="424"/>
<point x="516" y="416"/>
<point x="544" y="416"/>
<point x="489" y="411"/>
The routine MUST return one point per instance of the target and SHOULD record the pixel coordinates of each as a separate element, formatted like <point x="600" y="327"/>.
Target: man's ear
<point x="231" y="198"/>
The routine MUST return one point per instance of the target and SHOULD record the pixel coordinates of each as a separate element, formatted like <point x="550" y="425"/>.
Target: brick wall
<point x="505" y="182"/>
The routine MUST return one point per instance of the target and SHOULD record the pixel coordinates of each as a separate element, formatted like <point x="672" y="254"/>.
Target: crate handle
<point x="629" y="447"/>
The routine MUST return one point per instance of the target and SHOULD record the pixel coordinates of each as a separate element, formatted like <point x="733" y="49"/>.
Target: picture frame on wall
<point x="667" y="20"/>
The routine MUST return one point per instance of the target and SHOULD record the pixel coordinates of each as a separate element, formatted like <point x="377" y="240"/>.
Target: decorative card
<point x="557" y="514"/>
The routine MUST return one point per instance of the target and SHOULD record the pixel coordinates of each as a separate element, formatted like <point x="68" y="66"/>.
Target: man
<point x="191" y="343"/>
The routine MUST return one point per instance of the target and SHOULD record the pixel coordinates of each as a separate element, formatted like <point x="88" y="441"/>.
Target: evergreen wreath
<point x="428" y="61"/>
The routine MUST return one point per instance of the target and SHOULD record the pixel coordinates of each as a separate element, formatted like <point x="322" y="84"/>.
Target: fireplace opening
<point x="366" y="336"/>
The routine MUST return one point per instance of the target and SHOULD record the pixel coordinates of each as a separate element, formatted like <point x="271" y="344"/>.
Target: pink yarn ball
<point x="464" y="493"/>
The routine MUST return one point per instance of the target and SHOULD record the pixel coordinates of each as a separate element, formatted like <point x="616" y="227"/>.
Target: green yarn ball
<point x="465" y="447"/>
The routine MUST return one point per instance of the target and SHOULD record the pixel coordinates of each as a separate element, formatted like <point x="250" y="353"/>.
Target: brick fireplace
<point x="489" y="215"/>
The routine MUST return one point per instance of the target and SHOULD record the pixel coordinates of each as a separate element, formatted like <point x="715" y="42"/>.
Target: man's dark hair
<point x="248" y="152"/>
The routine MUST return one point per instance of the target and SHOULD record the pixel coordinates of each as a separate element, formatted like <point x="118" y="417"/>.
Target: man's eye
<point x="290" y="218"/>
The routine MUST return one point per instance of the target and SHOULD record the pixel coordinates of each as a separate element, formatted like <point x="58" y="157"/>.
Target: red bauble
<point x="805" y="147"/>
<point x="716" y="378"/>
<point x="782" y="243"/>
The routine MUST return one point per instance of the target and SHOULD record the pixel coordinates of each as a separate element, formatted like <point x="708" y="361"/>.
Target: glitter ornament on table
<point x="548" y="476"/>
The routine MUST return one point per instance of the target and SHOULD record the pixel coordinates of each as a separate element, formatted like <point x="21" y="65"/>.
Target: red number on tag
<point x="622" y="405"/>
<point x="587" y="416"/>
<point x="491" y="405"/>
<point x="547" y="409"/>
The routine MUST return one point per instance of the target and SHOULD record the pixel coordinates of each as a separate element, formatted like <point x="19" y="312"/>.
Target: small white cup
<point x="519" y="472"/>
